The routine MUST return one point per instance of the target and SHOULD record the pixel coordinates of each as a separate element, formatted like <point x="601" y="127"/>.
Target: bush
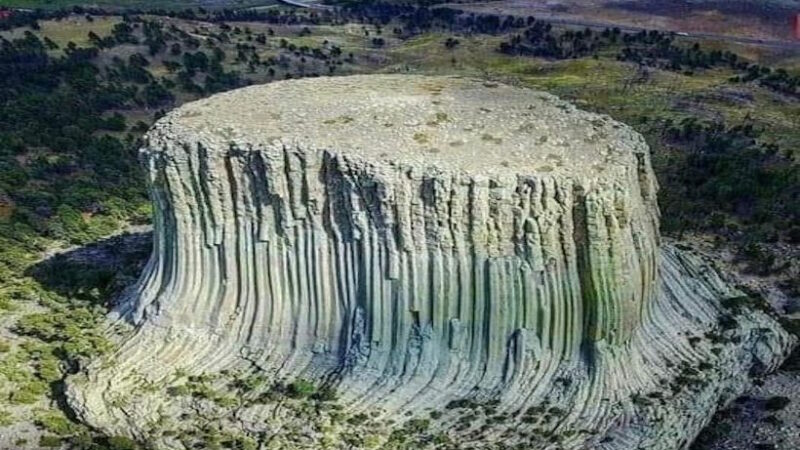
<point x="178" y="391"/>
<point x="50" y="442"/>
<point x="792" y="363"/>
<point x="122" y="443"/>
<point x="776" y="403"/>
<point x="6" y="418"/>
<point x="300" y="388"/>
<point x="791" y="325"/>
<point x="28" y="393"/>
<point x="55" y="423"/>
<point x="417" y="426"/>
<point x="461" y="403"/>
<point x="326" y="394"/>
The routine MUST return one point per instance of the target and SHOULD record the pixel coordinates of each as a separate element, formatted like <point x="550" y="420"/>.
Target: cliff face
<point x="415" y="240"/>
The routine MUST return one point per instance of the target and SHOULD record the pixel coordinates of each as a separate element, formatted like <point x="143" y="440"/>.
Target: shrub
<point x="50" y="442"/>
<point x="776" y="403"/>
<point x="55" y="423"/>
<point x="461" y="403"/>
<point x="122" y="443"/>
<point x="772" y="420"/>
<point x="791" y="325"/>
<point x="178" y="391"/>
<point x="418" y="425"/>
<point x="300" y="388"/>
<point x="28" y="393"/>
<point x="326" y="394"/>
<point x="6" y="418"/>
<point x="792" y="363"/>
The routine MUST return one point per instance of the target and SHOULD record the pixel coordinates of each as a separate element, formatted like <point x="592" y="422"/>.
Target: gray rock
<point x="416" y="240"/>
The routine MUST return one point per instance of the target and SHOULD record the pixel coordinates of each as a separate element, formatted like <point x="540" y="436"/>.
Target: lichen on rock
<point x="415" y="241"/>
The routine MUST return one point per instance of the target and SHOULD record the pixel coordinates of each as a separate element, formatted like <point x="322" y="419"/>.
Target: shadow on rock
<point x="97" y="272"/>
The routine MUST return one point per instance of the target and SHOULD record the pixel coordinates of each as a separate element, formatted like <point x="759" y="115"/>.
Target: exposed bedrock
<point x="414" y="240"/>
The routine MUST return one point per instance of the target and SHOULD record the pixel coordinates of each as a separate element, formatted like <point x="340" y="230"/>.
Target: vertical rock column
<point x="413" y="240"/>
<point x="363" y="259"/>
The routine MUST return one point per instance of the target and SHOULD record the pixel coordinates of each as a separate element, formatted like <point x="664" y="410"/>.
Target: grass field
<point x="71" y="29"/>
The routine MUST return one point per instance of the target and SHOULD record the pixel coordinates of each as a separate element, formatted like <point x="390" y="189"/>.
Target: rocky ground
<point x="31" y="422"/>
<point x="760" y="420"/>
<point x="768" y="417"/>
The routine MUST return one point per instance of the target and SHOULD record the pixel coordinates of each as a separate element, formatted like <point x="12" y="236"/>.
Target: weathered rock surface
<point x="417" y="240"/>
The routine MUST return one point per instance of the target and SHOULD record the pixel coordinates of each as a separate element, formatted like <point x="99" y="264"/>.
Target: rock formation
<point x="417" y="240"/>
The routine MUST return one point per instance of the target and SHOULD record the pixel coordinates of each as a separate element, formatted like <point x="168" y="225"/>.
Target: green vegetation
<point x="297" y="408"/>
<point x="6" y="418"/>
<point x="67" y="176"/>
<point x="301" y="389"/>
<point x="55" y="423"/>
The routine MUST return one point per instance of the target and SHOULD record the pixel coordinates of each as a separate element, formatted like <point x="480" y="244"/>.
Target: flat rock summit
<point x="420" y="244"/>
<point x="447" y="123"/>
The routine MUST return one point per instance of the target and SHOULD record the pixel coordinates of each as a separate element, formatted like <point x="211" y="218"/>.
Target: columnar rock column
<point x="412" y="240"/>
